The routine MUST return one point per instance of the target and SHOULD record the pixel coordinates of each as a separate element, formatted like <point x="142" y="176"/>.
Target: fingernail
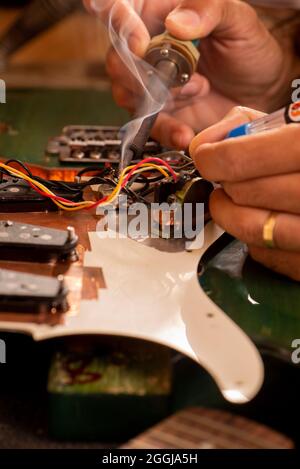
<point x="137" y="44"/>
<point x="185" y="18"/>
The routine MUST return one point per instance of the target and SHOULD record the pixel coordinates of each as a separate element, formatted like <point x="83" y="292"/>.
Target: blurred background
<point x="52" y="43"/>
<point x="56" y="43"/>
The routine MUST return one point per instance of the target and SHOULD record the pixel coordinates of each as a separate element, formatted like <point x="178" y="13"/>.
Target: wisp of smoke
<point x="119" y="33"/>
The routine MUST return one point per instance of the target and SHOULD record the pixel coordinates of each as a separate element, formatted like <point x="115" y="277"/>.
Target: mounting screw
<point x="78" y="155"/>
<point x="71" y="233"/>
<point x="61" y="280"/>
<point x="164" y="52"/>
<point x="8" y="223"/>
<point x="95" y="155"/>
<point x="184" y="78"/>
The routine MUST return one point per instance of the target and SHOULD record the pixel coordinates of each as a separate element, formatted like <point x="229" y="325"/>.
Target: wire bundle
<point x="129" y="173"/>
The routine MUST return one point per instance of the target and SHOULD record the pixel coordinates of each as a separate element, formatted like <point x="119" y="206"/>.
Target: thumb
<point x="237" y="116"/>
<point x="194" y="19"/>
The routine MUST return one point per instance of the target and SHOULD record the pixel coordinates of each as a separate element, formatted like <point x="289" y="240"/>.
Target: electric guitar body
<point x="207" y="303"/>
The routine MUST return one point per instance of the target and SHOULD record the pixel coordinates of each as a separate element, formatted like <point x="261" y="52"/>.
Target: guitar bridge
<point x="93" y="144"/>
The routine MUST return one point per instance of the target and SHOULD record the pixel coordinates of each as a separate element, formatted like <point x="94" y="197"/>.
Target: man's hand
<point x="241" y="62"/>
<point x="259" y="174"/>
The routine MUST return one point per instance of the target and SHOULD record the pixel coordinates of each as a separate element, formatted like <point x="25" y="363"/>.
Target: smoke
<point x="121" y="24"/>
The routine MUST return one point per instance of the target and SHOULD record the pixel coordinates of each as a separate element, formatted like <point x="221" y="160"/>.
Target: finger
<point x="119" y="73"/>
<point x="237" y="116"/>
<point x="282" y="262"/>
<point x="179" y="99"/>
<point x="254" y="156"/>
<point x="171" y="132"/>
<point x="198" y="18"/>
<point x="114" y="66"/>
<point x="155" y="12"/>
<point x="125" y="21"/>
<point x="280" y="193"/>
<point x="247" y="223"/>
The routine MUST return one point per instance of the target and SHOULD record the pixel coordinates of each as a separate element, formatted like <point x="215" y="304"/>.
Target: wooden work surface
<point x="198" y="428"/>
<point x="71" y="54"/>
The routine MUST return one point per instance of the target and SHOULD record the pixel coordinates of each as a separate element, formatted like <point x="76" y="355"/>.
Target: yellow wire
<point x="75" y="206"/>
<point x="42" y="187"/>
<point x="80" y="205"/>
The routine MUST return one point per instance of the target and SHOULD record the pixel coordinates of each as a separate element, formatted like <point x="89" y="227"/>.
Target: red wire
<point x="104" y="199"/>
<point x="61" y="199"/>
<point x="95" y="205"/>
<point x="149" y="160"/>
<point x="137" y="166"/>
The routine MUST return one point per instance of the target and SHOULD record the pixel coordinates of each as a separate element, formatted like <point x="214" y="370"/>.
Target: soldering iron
<point x="174" y="61"/>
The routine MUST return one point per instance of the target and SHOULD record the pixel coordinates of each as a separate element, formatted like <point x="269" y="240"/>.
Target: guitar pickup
<point x="32" y="294"/>
<point x="17" y="196"/>
<point x="32" y="243"/>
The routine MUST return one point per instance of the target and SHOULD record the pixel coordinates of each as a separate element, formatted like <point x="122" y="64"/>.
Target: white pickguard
<point x="156" y="296"/>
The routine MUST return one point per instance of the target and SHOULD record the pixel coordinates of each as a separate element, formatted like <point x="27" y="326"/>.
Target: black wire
<point x="148" y="192"/>
<point x="140" y="178"/>
<point x="59" y="185"/>
<point x="20" y="163"/>
<point x="156" y="179"/>
<point x="77" y="188"/>
<point x="97" y="180"/>
<point x="6" y="173"/>
<point x="92" y="169"/>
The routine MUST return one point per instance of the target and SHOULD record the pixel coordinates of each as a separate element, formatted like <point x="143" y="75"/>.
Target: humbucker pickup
<point x="32" y="243"/>
<point x="32" y="294"/>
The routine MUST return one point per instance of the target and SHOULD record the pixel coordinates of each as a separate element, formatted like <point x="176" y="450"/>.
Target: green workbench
<point x="37" y="115"/>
